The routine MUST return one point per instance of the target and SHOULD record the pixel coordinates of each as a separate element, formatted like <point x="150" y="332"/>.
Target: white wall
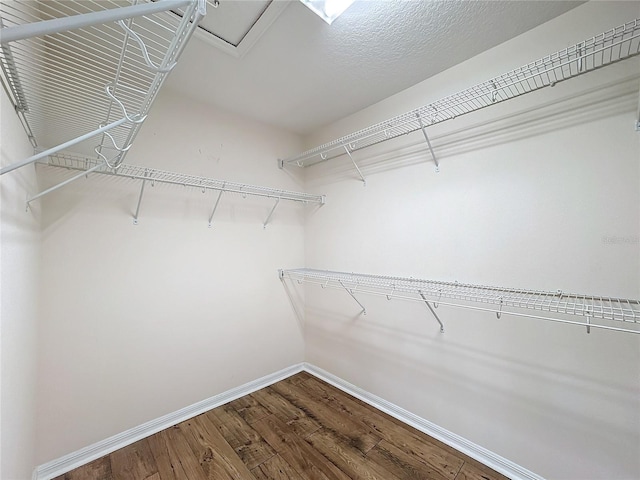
<point x="538" y="192"/>
<point x="19" y="264"/>
<point x="139" y="321"/>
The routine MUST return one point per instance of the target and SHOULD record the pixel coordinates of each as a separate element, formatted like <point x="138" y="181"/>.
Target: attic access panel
<point x="233" y="20"/>
<point x="234" y="26"/>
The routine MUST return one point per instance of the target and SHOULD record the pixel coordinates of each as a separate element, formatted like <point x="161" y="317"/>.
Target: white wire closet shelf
<point x="622" y="315"/>
<point x="86" y="72"/>
<point x="151" y="175"/>
<point x="612" y="46"/>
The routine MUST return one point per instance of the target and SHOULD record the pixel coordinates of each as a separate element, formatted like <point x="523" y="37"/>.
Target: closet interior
<point x="86" y="81"/>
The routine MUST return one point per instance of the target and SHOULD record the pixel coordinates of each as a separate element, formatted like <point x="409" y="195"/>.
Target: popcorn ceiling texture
<point x="303" y="74"/>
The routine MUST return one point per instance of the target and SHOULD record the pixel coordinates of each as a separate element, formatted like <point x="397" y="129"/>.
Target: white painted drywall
<point x="19" y="266"/>
<point x="140" y="321"/>
<point x="540" y="192"/>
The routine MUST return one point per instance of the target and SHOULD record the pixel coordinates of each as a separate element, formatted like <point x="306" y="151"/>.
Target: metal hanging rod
<point x="605" y="49"/>
<point x="153" y="176"/>
<point x="75" y="67"/>
<point x="597" y="311"/>
<point x="63" y="146"/>
<point x="57" y="25"/>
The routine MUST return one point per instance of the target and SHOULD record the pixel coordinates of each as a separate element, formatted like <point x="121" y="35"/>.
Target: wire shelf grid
<point x="81" y="163"/>
<point x="595" y="308"/>
<point x="74" y="81"/>
<point x="599" y="51"/>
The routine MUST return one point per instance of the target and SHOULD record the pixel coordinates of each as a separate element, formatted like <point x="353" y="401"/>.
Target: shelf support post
<point x="364" y="310"/>
<point x="364" y="180"/>
<point x="426" y="137"/>
<point x="215" y="206"/>
<point x="144" y="182"/>
<point x="264" y="225"/>
<point x="65" y="182"/>
<point x="432" y="311"/>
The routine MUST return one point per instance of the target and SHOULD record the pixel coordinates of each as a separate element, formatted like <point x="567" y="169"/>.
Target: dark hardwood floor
<point x="298" y="429"/>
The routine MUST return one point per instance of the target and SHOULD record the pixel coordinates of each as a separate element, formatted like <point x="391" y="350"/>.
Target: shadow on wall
<point x="296" y="300"/>
<point x="425" y="373"/>
<point x="610" y="99"/>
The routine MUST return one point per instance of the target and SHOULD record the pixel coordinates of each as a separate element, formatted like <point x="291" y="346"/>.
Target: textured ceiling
<point x="303" y="73"/>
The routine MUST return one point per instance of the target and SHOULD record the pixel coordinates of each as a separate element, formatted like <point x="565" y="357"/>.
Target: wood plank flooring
<point x="298" y="429"/>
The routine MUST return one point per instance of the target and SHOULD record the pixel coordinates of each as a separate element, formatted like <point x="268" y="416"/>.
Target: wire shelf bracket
<point x="610" y="47"/>
<point x="215" y="206"/>
<point x="145" y="175"/>
<point x="145" y="53"/>
<point x="350" y="292"/>
<point x="588" y="311"/>
<point x="364" y="180"/>
<point x="426" y="138"/>
<point x="59" y="57"/>
<point x="144" y="182"/>
<point x="432" y="311"/>
<point x="264" y="225"/>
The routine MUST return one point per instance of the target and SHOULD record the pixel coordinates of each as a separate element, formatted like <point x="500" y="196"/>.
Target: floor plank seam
<point x="459" y="470"/>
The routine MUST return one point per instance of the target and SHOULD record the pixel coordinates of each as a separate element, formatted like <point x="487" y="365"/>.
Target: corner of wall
<point x="19" y="260"/>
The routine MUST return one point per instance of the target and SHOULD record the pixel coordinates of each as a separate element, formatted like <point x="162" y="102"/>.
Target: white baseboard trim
<point x="484" y="456"/>
<point x="62" y="465"/>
